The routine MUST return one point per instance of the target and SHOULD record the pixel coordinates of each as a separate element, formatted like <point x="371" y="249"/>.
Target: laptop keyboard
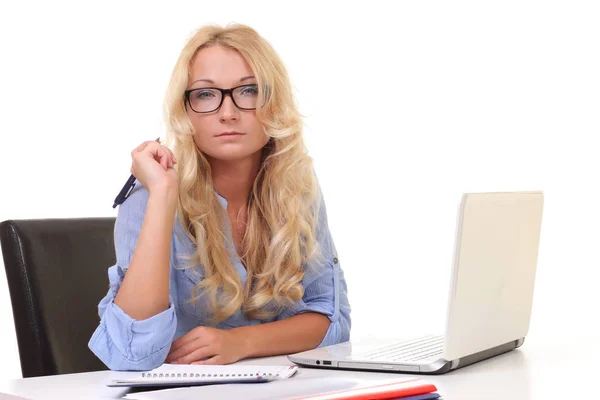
<point x="412" y="350"/>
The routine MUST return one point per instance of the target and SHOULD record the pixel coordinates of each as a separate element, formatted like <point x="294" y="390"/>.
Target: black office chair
<point x="57" y="273"/>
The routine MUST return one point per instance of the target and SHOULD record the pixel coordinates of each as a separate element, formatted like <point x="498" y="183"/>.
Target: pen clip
<point x="129" y="191"/>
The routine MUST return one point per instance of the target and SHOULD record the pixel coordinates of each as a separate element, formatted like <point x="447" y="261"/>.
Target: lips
<point x="232" y="133"/>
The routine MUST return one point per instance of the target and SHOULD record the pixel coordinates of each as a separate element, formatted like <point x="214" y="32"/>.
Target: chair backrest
<point x="57" y="273"/>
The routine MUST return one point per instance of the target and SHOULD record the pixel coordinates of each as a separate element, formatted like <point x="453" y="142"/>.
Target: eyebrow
<point x="246" y="78"/>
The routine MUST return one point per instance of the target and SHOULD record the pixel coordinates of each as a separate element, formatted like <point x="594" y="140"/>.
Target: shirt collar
<point x="222" y="200"/>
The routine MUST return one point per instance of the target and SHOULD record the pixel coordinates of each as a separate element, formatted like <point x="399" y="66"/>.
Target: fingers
<point x="142" y="146"/>
<point x="182" y="350"/>
<point x="166" y="158"/>
<point x="186" y="345"/>
<point x="216" y="360"/>
<point x="194" y="350"/>
<point x="201" y="345"/>
<point x="185" y="339"/>
<point x="163" y="159"/>
<point x="199" y="355"/>
<point x="171" y="157"/>
<point x="161" y="154"/>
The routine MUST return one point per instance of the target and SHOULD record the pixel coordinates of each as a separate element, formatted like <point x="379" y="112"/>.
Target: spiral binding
<point x="198" y="375"/>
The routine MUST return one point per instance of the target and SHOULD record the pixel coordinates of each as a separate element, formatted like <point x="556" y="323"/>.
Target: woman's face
<point x="227" y="133"/>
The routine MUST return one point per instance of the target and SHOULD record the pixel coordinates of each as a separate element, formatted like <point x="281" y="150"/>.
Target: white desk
<point x="535" y="371"/>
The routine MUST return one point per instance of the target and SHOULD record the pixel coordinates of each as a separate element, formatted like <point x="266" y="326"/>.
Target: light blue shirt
<point x="123" y="343"/>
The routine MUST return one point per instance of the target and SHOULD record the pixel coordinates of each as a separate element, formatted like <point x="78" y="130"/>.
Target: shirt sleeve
<point x="121" y="342"/>
<point x="325" y="289"/>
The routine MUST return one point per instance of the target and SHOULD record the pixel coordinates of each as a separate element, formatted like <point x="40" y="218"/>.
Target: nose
<point x="228" y="110"/>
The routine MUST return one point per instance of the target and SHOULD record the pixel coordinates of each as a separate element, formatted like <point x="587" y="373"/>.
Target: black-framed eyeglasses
<point x="206" y="100"/>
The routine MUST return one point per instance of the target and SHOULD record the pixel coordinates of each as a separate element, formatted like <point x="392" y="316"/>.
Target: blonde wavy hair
<point x="283" y="206"/>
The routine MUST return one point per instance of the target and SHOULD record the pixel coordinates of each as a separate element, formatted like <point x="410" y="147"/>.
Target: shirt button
<point x="335" y="260"/>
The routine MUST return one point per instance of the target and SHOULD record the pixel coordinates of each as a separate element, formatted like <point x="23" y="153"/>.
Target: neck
<point x="233" y="180"/>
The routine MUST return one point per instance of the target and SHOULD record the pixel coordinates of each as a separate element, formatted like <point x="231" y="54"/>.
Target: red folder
<point x="380" y="390"/>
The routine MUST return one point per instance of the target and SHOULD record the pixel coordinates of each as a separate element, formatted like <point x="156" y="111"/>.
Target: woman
<point x="223" y="244"/>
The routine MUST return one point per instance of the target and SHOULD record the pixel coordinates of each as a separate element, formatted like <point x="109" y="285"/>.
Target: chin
<point x="230" y="153"/>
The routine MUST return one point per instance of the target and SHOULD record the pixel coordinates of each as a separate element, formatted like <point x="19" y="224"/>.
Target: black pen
<point x="127" y="188"/>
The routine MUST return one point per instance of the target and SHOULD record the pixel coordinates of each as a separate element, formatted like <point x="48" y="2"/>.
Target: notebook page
<point x="173" y="374"/>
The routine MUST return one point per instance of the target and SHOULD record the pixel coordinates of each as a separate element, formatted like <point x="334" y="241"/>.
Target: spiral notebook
<point x="190" y="375"/>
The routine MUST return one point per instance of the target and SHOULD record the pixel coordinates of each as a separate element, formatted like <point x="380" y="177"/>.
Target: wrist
<point x="168" y="193"/>
<point x="243" y="336"/>
<point x="162" y="203"/>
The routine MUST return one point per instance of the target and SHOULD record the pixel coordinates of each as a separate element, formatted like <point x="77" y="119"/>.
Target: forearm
<point x="144" y="291"/>
<point x="291" y="335"/>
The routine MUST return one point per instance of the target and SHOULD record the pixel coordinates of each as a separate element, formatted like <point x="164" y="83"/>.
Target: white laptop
<point x="490" y="296"/>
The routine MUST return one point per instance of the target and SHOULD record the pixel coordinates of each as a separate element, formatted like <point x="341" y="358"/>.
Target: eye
<point x="251" y="90"/>
<point x="205" y="94"/>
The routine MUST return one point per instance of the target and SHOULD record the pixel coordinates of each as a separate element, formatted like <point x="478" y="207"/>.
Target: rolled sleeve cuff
<point x="339" y="331"/>
<point x="339" y="328"/>
<point x="123" y="343"/>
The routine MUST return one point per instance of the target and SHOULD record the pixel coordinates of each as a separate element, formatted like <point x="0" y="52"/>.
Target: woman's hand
<point x="204" y="345"/>
<point x="152" y="165"/>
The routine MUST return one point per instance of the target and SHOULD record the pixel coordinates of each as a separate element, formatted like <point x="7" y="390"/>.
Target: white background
<point x="407" y="106"/>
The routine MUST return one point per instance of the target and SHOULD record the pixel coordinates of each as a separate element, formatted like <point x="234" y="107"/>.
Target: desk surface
<point x="535" y="371"/>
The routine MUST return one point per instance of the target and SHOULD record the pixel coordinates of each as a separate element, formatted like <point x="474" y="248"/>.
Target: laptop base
<point x="437" y="367"/>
